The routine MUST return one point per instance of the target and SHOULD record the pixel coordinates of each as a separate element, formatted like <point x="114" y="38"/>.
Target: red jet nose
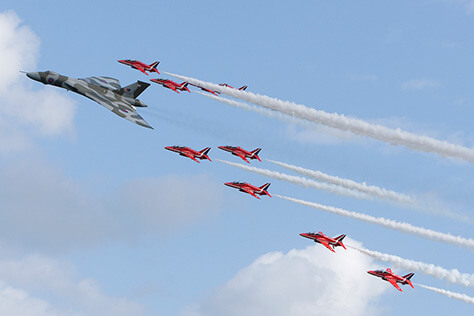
<point x="229" y="184"/>
<point x="371" y="272"/>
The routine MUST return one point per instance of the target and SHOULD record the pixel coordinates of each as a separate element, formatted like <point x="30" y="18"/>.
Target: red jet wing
<point x="172" y="87"/>
<point x="250" y="192"/>
<point x="191" y="156"/>
<point x="394" y="283"/>
<point x="142" y="70"/>
<point x="323" y="242"/>
<point x="243" y="158"/>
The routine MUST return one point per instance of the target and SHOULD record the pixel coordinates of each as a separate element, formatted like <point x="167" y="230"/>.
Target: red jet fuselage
<point x="170" y="84"/>
<point x="327" y="241"/>
<point x="393" y="278"/>
<point x="243" y="88"/>
<point x="242" y="153"/>
<point x="135" y="64"/>
<point x="205" y="89"/>
<point x="190" y="153"/>
<point x="250" y="189"/>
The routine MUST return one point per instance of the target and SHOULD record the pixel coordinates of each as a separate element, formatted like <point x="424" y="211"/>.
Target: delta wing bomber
<point x="104" y="90"/>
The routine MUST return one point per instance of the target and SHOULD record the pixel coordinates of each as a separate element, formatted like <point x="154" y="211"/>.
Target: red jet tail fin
<point x="243" y="88"/>
<point x="184" y="85"/>
<point x="255" y="153"/>
<point x="203" y="153"/>
<point x="153" y="67"/>
<point x="339" y="241"/>
<point x="264" y="189"/>
<point x="408" y="277"/>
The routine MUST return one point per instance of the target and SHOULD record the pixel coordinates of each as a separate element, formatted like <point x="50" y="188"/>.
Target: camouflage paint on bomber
<point x="104" y="90"/>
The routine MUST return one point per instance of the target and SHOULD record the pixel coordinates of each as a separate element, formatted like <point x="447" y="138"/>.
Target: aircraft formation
<point x="123" y="102"/>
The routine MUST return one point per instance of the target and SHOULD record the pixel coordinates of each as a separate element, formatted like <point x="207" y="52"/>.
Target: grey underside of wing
<point x="113" y="102"/>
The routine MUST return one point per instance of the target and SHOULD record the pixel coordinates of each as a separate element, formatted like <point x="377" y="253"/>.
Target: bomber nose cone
<point x="34" y="75"/>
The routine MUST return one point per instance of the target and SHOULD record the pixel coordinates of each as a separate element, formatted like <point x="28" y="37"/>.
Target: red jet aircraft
<point x="205" y="89"/>
<point x="327" y="241"/>
<point x="387" y="275"/>
<point x="242" y="153"/>
<point x="135" y="64"/>
<point x="190" y="153"/>
<point x="243" y="88"/>
<point x="170" y="84"/>
<point x="250" y="189"/>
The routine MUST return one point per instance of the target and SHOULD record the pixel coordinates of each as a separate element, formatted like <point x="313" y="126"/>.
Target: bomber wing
<point x="119" y="107"/>
<point x="106" y="82"/>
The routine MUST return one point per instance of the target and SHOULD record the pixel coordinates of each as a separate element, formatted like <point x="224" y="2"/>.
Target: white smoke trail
<point x="306" y="183"/>
<point x="453" y="276"/>
<point x="389" y="223"/>
<point x="459" y="296"/>
<point x="259" y="110"/>
<point x="341" y="122"/>
<point x="349" y="184"/>
<point x="372" y="190"/>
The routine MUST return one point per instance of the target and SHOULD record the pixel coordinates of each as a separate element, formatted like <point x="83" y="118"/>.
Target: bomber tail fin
<point x="133" y="90"/>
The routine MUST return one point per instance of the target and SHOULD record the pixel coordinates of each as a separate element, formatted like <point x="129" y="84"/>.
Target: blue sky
<point x="127" y="227"/>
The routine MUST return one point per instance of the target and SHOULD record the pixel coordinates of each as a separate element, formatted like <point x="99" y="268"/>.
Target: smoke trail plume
<point x="306" y="183"/>
<point x="459" y="296"/>
<point x="259" y="110"/>
<point x="414" y="203"/>
<point x="349" y="184"/>
<point x="341" y="122"/>
<point x="453" y="276"/>
<point x="392" y="224"/>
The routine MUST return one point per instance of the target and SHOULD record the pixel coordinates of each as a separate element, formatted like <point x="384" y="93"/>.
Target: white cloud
<point x="420" y="84"/>
<point x="42" y="208"/>
<point x="28" y="111"/>
<point x="37" y="285"/>
<point x="310" y="281"/>
<point x="15" y="301"/>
